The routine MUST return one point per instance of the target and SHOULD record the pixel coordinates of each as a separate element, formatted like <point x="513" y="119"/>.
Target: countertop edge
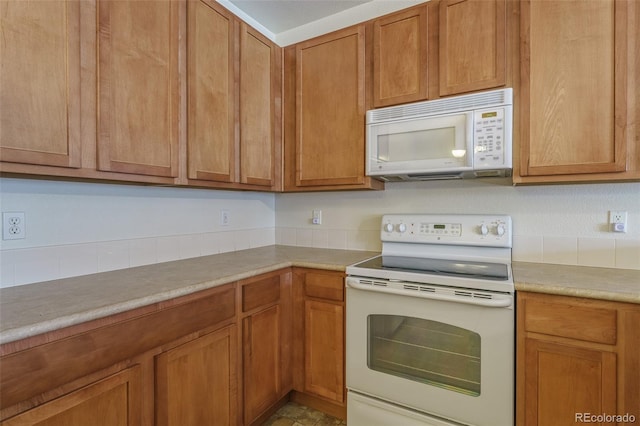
<point x="578" y="292"/>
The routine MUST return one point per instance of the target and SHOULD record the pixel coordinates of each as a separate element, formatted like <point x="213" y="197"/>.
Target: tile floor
<point x="292" y="414"/>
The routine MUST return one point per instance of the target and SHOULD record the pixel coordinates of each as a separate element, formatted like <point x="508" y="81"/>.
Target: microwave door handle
<point x="497" y="300"/>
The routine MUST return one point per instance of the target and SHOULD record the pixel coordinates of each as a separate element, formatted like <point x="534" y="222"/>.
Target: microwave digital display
<point x="489" y="114"/>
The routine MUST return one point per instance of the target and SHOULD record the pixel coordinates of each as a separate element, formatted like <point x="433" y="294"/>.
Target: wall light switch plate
<point x="224" y="217"/>
<point x="317" y="217"/>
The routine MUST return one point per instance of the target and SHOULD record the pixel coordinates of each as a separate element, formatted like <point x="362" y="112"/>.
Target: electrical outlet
<point x="618" y="221"/>
<point x="13" y="226"/>
<point x="316" y="218"/>
<point x="224" y="217"/>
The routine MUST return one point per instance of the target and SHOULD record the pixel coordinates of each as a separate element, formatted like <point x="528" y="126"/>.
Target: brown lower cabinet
<point x="196" y="382"/>
<point x="266" y="336"/>
<point x="319" y="340"/>
<point x="230" y="355"/>
<point x="576" y="357"/>
<point x="114" y="400"/>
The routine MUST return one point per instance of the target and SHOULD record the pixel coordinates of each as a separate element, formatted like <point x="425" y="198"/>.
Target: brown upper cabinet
<point x="400" y="57"/>
<point x="158" y="92"/>
<point x="260" y="109"/>
<point x="138" y="87"/>
<point x="578" y="105"/>
<point x="40" y="83"/>
<point x="472" y="45"/>
<point x="325" y="128"/>
<point x="210" y="92"/>
<point x="442" y="48"/>
<point x="233" y="98"/>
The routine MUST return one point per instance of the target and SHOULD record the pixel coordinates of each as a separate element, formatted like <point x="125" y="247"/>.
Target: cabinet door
<point x="574" y="95"/>
<point x="138" y="90"/>
<point x="562" y="382"/>
<point x="262" y="377"/>
<point x="114" y="401"/>
<point x="330" y="110"/>
<point x="259" y="90"/>
<point x="211" y="136"/>
<point x="324" y="349"/>
<point x="400" y="57"/>
<point x="40" y="82"/>
<point x="196" y="382"/>
<point x="472" y="45"/>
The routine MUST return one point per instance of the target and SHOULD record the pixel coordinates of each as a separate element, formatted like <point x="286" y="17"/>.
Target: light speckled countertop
<point x="33" y="309"/>
<point x="620" y="285"/>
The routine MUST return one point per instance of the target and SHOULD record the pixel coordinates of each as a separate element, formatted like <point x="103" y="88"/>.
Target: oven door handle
<point x="458" y="296"/>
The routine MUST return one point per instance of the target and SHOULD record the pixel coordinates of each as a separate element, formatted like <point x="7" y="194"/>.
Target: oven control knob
<point x="500" y="230"/>
<point x="388" y="227"/>
<point x="483" y="229"/>
<point x="402" y="228"/>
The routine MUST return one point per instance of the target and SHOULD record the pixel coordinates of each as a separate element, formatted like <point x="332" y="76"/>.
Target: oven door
<point x="453" y="360"/>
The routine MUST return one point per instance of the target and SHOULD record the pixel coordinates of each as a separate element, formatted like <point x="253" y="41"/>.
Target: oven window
<point x="426" y="351"/>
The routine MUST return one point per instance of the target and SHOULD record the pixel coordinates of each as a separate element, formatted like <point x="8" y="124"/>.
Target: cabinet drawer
<point x="260" y="293"/>
<point x="324" y="286"/>
<point x="575" y="321"/>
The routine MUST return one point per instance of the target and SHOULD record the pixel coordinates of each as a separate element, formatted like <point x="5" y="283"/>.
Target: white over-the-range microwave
<point x="457" y="137"/>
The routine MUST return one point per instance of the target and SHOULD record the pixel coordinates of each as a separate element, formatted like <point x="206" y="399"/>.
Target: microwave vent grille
<point x="439" y="106"/>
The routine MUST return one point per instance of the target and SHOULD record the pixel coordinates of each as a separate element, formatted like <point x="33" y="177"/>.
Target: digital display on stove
<point x="439" y="226"/>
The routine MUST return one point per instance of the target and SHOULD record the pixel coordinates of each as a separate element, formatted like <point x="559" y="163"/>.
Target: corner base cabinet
<point x="266" y="336"/>
<point x="576" y="358"/>
<point x="320" y="340"/>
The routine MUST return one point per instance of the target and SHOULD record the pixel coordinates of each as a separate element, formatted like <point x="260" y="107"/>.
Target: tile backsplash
<point x="600" y="252"/>
<point x="29" y="265"/>
<point x="82" y="228"/>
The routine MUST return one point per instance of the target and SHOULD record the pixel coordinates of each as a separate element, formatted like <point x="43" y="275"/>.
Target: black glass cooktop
<point x="466" y="269"/>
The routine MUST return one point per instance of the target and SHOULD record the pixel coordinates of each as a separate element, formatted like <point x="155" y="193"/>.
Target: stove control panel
<point x="473" y="230"/>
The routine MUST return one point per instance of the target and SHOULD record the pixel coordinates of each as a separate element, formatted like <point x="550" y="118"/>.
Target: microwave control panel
<point x="489" y="148"/>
